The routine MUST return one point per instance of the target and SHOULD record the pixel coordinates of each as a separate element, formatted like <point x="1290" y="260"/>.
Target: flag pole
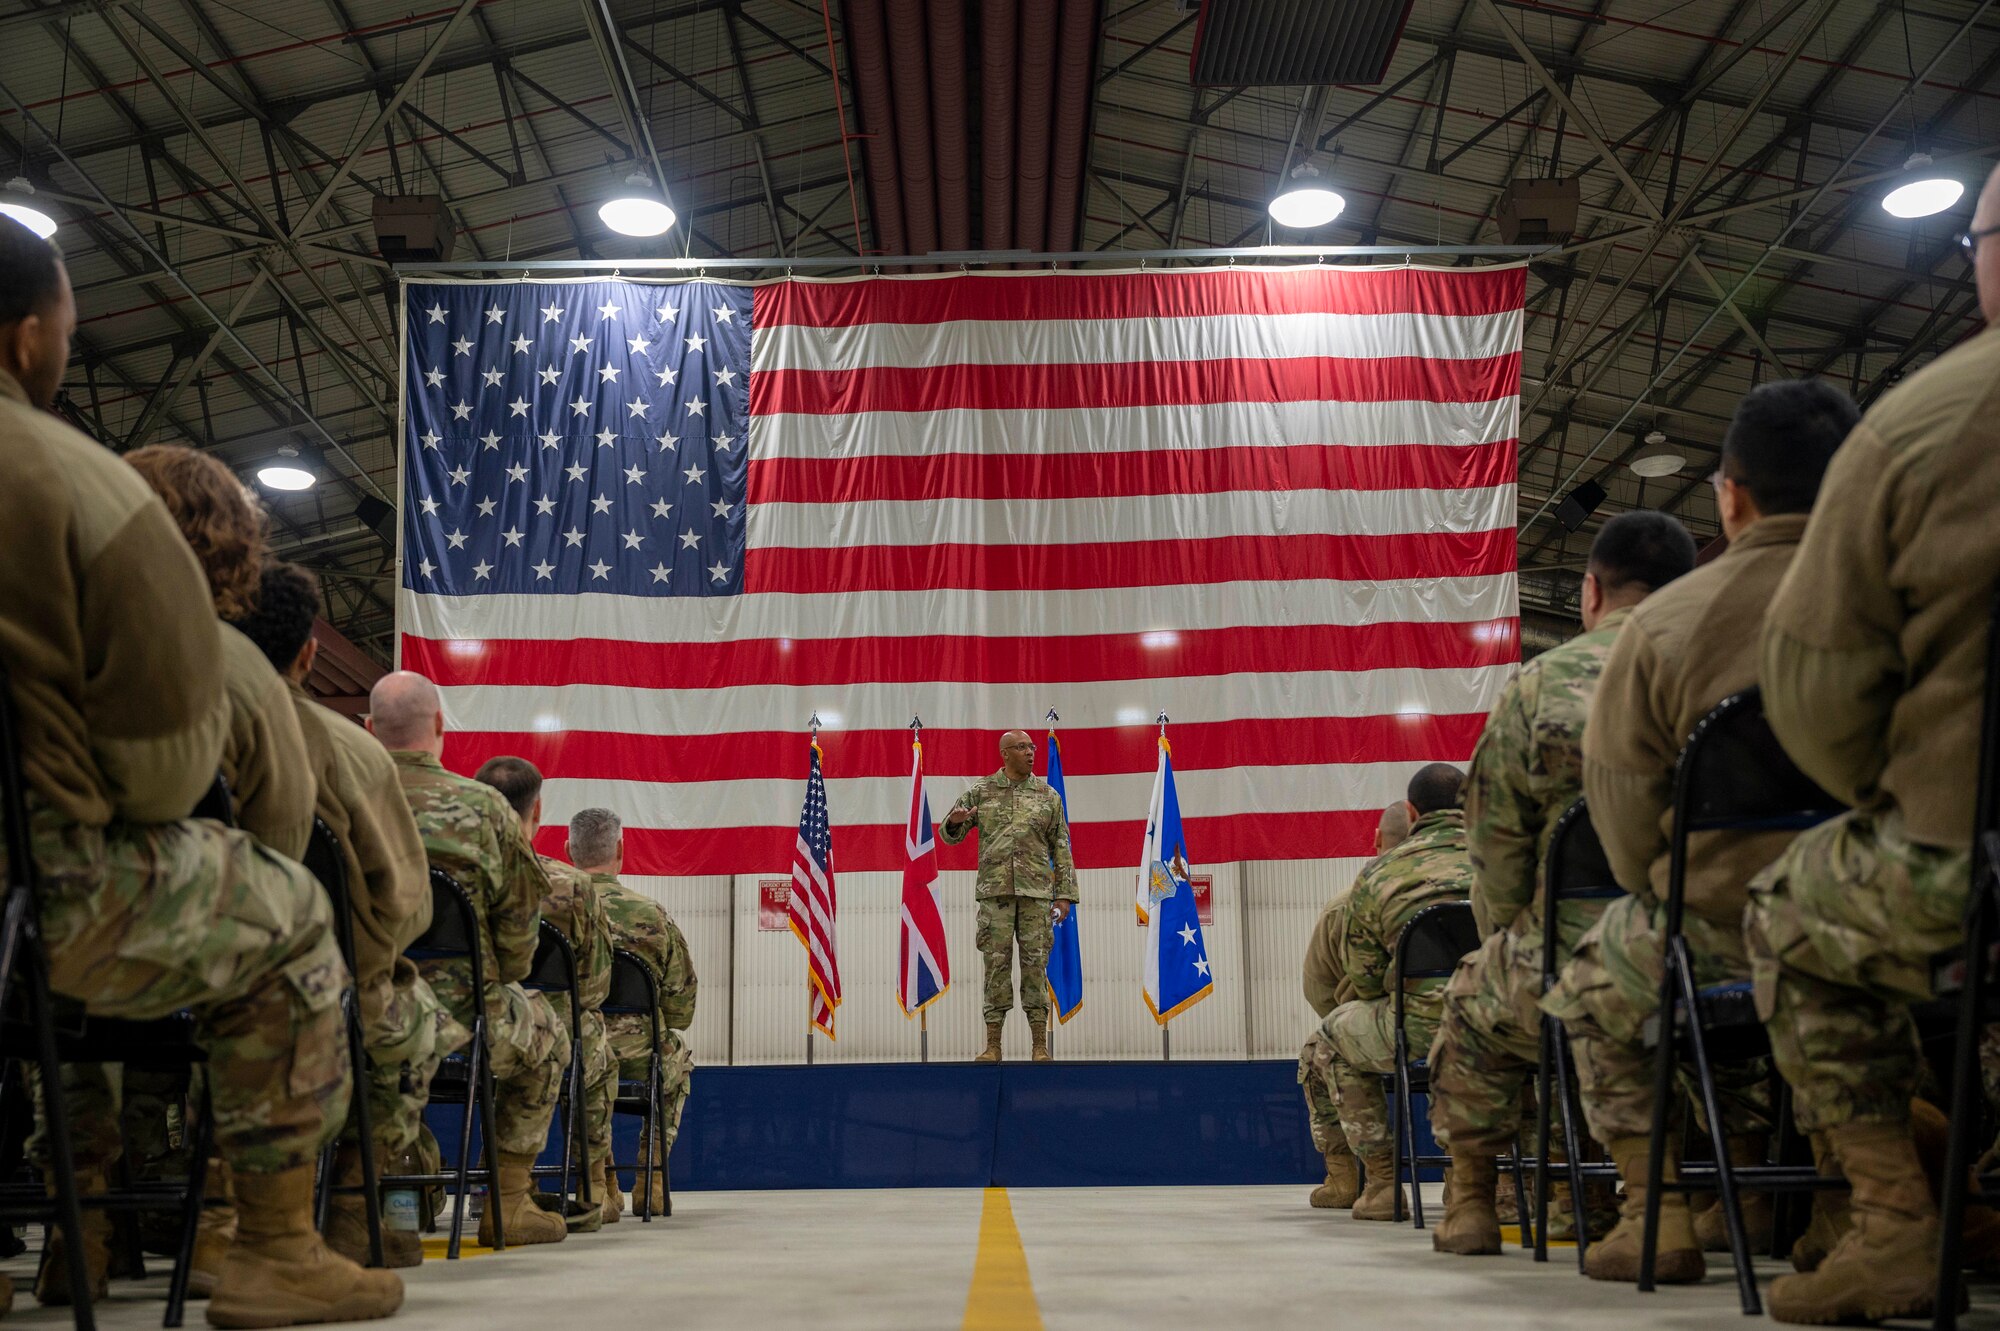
<point x="1051" y="718"/>
<point x="812" y="1008"/>
<point x="924" y="1013"/>
<point x="1166" y="1041"/>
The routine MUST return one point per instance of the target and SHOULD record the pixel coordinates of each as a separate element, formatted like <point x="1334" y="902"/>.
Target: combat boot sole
<point x="260" y="1291"/>
<point x="1616" y="1259"/>
<point x="1335" y="1195"/>
<point x="1862" y="1283"/>
<point x="1468" y="1238"/>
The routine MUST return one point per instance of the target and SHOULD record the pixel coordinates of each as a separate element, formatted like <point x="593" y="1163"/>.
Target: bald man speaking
<point x="1027" y="882"/>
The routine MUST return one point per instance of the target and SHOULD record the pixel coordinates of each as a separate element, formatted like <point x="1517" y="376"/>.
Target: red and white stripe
<point x="1278" y="505"/>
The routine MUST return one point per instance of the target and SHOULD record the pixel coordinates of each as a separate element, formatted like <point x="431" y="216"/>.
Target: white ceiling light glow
<point x="1306" y="202"/>
<point x="637" y="210"/>
<point x="1660" y="461"/>
<point x="18" y="201"/>
<point x="285" y="472"/>
<point x="1925" y="194"/>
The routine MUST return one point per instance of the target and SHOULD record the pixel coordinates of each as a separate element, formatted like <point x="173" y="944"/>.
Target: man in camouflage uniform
<point x="114" y="660"/>
<point x="573" y="906"/>
<point x="1427" y="867"/>
<point x="1682" y="652"/>
<point x="470" y="832"/>
<point x="1526" y="770"/>
<point x="1024" y="866"/>
<point x="1873" y="658"/>
<point x="1326" y="988"/>
<point x="641" y="926"/>
<point x="406" y="1031"/>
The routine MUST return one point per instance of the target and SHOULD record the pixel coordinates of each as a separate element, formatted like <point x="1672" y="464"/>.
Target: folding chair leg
<point x="487" y="1122"/>
<point x="1572" y="1139"/>
<point x="1663" y="1087"/>
<point x="1964" y="1094"/>
<point x="1682" y="968"/>
<point x="364" y="1131"/>
<point x="473" y="1060"/>
<point x="1530" y="1229"/>
<point x="1544" y="1122"/>
<point x="62" y="1161"/>
<point x="659" y="1143"/>
<point x="191" y="1209"/>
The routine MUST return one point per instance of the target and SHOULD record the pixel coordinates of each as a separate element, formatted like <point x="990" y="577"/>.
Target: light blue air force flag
<point x="1066" y="953"/>
<point x="1177" y="974"/>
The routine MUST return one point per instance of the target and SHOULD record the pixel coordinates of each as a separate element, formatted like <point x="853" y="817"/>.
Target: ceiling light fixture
<point x="638" y="210"/>
<point x="19" y="201"/>
<point x="284" y="472"/>
<point x="1306" y="202"/>
<point x="1925" y="194"/>
<point x="1662" y="461"/>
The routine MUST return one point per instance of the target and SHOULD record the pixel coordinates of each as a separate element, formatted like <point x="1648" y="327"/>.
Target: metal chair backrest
<point x="1577" y="869"/>
<point x="218" y="802"/>
<point x="1435" y="940"/>
<point x="326" y="861"/>
<point x="14" y="792"/>
<point x="454" y="930"/>
<point x="1734" y="776"/>
<point x="554" y="967"/>
<point x="633" y="988"/>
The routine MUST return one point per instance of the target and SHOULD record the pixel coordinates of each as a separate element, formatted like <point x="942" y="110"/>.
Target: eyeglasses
<point x="1970" y="239"/>
<point x="1716" y="478"/>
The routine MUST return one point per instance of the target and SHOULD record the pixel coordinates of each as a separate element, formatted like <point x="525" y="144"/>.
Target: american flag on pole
<point x="648" y="527"/>
<point x="924" y="972"/>
<point x="815" y="906"/>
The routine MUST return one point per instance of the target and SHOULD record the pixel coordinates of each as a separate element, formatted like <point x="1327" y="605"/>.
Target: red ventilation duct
<point x="868" y="63"/>
<point x="912" y="91"/>
<point x="948" y="103"/>
<point x="1078" y="45"/>
<point x="1033" y="83"/>
<point x="996" y="147"/>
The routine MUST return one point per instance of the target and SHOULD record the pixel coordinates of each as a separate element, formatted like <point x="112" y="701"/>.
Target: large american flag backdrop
<point x="650" y="528"/>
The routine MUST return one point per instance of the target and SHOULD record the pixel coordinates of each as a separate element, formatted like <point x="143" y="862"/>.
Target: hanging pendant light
<point x="1925" y="193"/>
<point x="19" y="201"/>
<point x="638" y="209"/>
<point x="1306" y="203"/>
<point x="1661" y="461"/>
<point x="286" y="471"/>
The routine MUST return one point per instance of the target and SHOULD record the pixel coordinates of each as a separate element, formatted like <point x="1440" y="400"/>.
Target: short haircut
<point x="593" y="837"/>
<point x="219" y="518"/>
<point x="403" y="706"/>
<point x="1642" y="548"/>
<point x="516" y="778"/>
<point x="1395" y="823"/>
<point x="1435" y="786"/>
<point x="287" y="605"/>
<point x="1781" y="439"/>
<point x="30" y="272"/>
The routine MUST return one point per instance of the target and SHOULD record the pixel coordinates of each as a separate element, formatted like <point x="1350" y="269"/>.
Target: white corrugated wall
<point x="752" y="1007"/>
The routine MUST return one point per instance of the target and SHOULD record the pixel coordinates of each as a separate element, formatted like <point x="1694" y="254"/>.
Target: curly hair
<point x="221" y="520"/>
<point x="287" y="605"/>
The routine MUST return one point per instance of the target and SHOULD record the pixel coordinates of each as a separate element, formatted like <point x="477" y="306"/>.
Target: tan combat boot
<point x="614" y="1196"/>
<point x="1679" y="1261"/>
<point x="214" y="1233"/>
<point x="1343" y="1184"/>
<point x="1979" y="1241"/>
<point x="1711" y="1229"/>
<point x="1470" y="1227"/>
<point x="992" y="1051"/>
<point x="1039" y="1031"/>
<point x="281" y="1273"/>
<point x="1831" y="1216"/>
<point x="1885" y="1264"/>
<point x="52" y="1282"/>
<point x="512" y="1198"/>
<point x="347" y="1219"/>
<point x="1378" y="1196"/>
<point x="650" y="1188"/>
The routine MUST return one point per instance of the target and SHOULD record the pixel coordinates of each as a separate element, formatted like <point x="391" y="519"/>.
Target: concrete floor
<point x="1202" y="1259"/>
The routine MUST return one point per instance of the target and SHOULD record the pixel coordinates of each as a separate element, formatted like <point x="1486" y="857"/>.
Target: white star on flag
<point x="437" y="314"/>
<point x="454" y="538"/>
<point x="637" y="406"/>
<point x="481" y="569"/>
<point x="696" y="407"/>
<point x="632" y="539"/>
<point x="459" y="475"/>
<point x="718" y="570"/>
<point x="667" y="375"/>
<point x="551" y="313"/>
<point x="462" y="347"/>
<point x="607" y="374"/>
<point x="434" y="378"/>
<point x="638" y="344"/>
<point x="577" y="471"/>
<point x="517" y="472"/>
<point x="695" y="342"/>
<point x="607" y="310"/>
<point x="661" y="508"/>
<point x="512" y="535"/>
<point x="601" y="504"/>
<point x="495" y="315"/>
<point x="1201" y="966"/>
<point x="580" y="344"/>
<point x="581" y="406"/>
<point x="723" y="378"/>
<point x="551" y="440"/>
<point x="544" y="569"/>
<point x="694" y="475"/>
<point x="431" y="438"/>
<point x="661" y="572"/>
<point x="573" y="536"/>
<point x="492" y="377"/>
<point x="1187" y="933"/>
<point x="723" y="441"/>
<point x="491" y="440"/>
<point x="667" y="312"/>
<point x="689" y="540"/>
<point x="519" y="406"/>
<point x="634" y="476"/>
<point x="521" y="345"/>
<point x="550" y="375"/>
<point x="545" y="506"/>
<point x="667" y="440"/>
<point x="721" y="507"/>
<point x="486" y="507"/>
<point x="429" y="505"/>
<point x="461" y="411"/>
<point x="601" y="569"/>
<point x="723" y="314"/>
<point x="425" y="567"/>
<point x="607" y="437"/>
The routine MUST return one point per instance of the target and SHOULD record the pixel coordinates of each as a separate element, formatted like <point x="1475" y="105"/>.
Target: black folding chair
<point x="1732" y="776"/>
<point x="1977" y="999"/>
<point x="466" y="1078"/>
<point x="1430" y="947"/>
<point x="36" y="1025"/>
<point x="634" y="991"/>
<point x="554" y="972"/>
<point x="1576" y="870"/>
<point x="327" y="863"/>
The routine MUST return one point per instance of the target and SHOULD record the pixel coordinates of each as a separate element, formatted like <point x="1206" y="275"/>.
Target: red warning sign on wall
<point x="774" y="905"/>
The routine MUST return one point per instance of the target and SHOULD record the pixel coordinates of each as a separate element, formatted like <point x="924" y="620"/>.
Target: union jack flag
<point x="814" y="902"/>
<point x="925" y="972"/>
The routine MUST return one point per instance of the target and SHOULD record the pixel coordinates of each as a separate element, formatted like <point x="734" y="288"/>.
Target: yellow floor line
<point x="435" y="1248"/>
<point x="1002" y="1297"/>
<point x="1511" y="1236"/>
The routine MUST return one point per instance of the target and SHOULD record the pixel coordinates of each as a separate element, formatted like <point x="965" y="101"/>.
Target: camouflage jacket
<point x="1325" y="973"/>
<point x="388" y="884"/>
<point x="1023" y="838"/>
<point x="1526" y="769"/>
<point x="642" y="926"/>
<point x="575" y="906"/>
<point x="264" y="755"/>
<point x="1426" y="867"/>
<point x="473" y="834"/>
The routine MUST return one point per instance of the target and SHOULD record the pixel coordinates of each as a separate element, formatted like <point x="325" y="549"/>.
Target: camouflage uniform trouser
<point x="1606" y="992"/>
<point x="1315" y="1076"/>
<point x="630" y="1034"/>
<point x="530" y="1050"/>
<point x="1840" y="931"/>
<point x="1001" y="921"/>
<point x="1363" y="1036"/>
<point x="142" y="921"/>
<point x="1488" y="1045"/>
<point x="405" y="1044"/>
<point x="600" y="1081"/>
